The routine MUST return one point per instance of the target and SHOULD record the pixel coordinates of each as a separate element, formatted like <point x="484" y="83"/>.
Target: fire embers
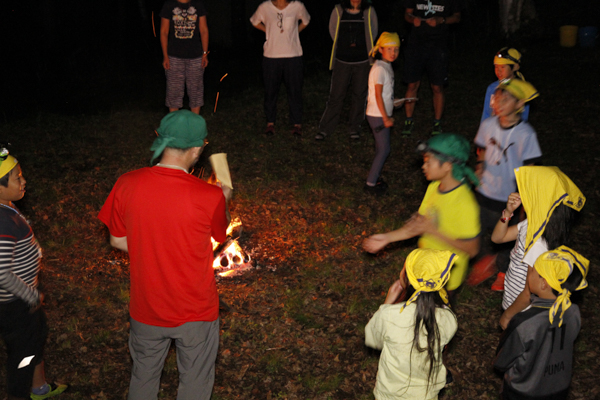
<point x="230" y="258"/>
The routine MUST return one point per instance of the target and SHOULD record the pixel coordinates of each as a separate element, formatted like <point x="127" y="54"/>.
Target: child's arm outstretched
<point x="387" y="121"/>
<point x="502" y="232"/>
<point x="376" y="242"/>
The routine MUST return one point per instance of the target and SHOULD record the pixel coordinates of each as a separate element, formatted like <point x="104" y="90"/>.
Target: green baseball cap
<point x="180" y="130"/>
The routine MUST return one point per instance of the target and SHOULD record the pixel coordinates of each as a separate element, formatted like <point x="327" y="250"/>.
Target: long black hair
<point x="559" y="226"/>
<point x="427" y="303"/>
<point x="364" y="4"/>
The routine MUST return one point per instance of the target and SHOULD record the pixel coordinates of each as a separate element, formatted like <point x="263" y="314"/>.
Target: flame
<point x="231" y="256"/>
<point x="232" y="225"/>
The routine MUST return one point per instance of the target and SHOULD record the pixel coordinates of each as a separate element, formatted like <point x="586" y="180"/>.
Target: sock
<point x="45" y="388"/>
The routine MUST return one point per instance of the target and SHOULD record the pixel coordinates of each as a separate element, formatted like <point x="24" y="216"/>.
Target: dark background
<point x="91" y="56"/>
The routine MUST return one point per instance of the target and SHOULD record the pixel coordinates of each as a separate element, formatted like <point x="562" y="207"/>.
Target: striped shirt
<point x="516" y="276"/>
<point x="20" y="256"/>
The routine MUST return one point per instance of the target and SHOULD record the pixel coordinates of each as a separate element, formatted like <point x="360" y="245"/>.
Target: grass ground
<point x="295" y="327"/>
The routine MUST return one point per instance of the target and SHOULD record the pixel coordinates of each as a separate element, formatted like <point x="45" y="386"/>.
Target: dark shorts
<point x="25" y="335"/>
<point x="432" y="60"/>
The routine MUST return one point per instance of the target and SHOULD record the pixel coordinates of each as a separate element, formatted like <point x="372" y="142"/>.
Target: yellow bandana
<point x="520" y="89"/>
<point x="7" y="165"/>
<point x="542" y="189"/>
<point x="428" y="271"/>
<point x="507" y="56"/>
<point x="386" y="39"/>
<point x="555" y="267"/>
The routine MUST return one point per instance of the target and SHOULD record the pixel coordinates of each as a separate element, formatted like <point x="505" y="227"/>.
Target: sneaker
<point x="320" y="136"/>
<point x="437" y="128"/>
<point x="354" y="136"/>
<point x="297" y="130"/>
<point x="498" y="285"/>
<point x="55" y="390"/>
<point x="379" y="189"/>
<point x="409" y="125"/>
<point x="483" y="270"/>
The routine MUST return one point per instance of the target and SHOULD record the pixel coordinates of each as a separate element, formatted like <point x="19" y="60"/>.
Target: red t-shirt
<point x="168" y="217"/>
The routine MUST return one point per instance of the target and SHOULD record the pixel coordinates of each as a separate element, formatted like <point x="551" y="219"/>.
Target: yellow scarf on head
<point x="555" y="267"/>
<point x="428" y="271"/>
<point x="386" y="39"/>
<point x="7" y="165"/>
<point x="542" y="189"/>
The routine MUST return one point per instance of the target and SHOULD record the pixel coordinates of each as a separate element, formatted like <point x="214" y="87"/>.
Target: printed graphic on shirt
<point x="496" y="152"/>
<point x="184" y="22"/>
<point x="430" y="8"/>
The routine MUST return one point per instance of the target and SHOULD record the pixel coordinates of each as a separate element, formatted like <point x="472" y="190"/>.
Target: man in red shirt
<point x="164" y="218"/>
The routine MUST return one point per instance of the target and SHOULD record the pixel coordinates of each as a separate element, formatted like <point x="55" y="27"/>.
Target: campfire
<point x="229" y="257"/>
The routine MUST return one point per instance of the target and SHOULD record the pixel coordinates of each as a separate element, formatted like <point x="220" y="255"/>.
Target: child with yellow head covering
<point x="536" y="351"/>
<point x="550" y="199"/>
<point x="412" y="335"/>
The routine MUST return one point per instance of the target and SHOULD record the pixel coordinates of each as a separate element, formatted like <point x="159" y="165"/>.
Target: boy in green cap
<point x="504" y="142"/>
<point x="22" y="321"/>
<point x="448" y="218"/>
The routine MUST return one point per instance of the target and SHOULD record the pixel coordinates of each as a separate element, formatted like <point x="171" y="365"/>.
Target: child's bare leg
<point x="39" y="375"/>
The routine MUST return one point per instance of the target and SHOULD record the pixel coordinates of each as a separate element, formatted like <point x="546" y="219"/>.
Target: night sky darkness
<point x="82" y="56"/>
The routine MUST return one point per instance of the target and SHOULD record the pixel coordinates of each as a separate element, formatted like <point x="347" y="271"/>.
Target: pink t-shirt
<point x="168" y="217"/>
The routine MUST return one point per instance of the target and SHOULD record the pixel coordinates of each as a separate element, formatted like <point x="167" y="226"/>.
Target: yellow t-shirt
<point x="456" y="215"/>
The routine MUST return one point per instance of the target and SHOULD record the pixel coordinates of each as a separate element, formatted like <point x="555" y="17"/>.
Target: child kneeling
<point x="412" y="334"/>
<point x="536" y="350"/>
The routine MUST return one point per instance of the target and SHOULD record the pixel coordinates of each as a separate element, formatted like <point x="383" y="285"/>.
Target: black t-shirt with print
<point x="184" y="32"/>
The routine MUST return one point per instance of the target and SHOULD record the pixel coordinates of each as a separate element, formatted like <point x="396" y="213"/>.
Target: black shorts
<point x="25" y="335"/>
<point x="433" y="60"/>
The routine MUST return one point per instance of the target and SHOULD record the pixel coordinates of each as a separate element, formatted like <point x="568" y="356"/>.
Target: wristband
<point x="504" y="219"/>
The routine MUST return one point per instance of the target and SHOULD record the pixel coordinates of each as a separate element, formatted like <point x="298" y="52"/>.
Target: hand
<point x="227" y="192"/>
<point x="166" y="65"/>
<point x="374" y="243"/>
<point x="514" y="201"/>
<point x="435" y="21"/>
<point x="416" y="21"/>
<point x="504" y="320"/>
<point x="388" y="122"/>
<point x="33" y="308"/>
<point x="393" y="292"/>
<point x="479" y="170"/>
<point x="204" y="62"/>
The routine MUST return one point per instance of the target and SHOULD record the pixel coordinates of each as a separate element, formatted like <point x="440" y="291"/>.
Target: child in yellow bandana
<point x="411" y="335"/>
<point x="536" y="350"/>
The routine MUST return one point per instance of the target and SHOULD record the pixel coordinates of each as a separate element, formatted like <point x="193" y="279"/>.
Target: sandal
<point x="319" y="136"/>
<point x="270" y="131"/>
<point x="297" y="130"/>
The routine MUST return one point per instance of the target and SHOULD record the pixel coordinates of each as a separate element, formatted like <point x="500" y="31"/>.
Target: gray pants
<point x="346" y="75"/>
<point x="197" y="345"/>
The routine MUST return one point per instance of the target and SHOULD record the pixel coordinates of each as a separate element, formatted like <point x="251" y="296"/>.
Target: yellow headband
<point x="555" y="267"/>
<point x="386" y="39"/>
<point x="542" y="189"/>
<point x="428" y="271"/>
<point x="507" y="56"/>
<point x="7" y="165"/>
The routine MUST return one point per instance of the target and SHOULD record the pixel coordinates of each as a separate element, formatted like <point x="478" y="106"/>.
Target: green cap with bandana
<point x="179" y="130"/>
<point x="452" y="148"/>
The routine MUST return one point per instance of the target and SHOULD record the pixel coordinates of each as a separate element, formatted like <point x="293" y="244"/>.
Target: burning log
<point x="229" y="255"/>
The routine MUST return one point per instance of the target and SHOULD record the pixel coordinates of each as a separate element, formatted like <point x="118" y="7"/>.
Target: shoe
<point x="354" y="136"/>
<point x="409" y="125"/>
<point x="270" y="131"/>
<point x="483" y="270"/>
<point x="437" y="128"/>
<point x="379" y="189"/>
<point x="320" y="136"/>
<point x="498" y="285"/>
<point x="55" y="390"/>
<point x="297" y="130"/>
